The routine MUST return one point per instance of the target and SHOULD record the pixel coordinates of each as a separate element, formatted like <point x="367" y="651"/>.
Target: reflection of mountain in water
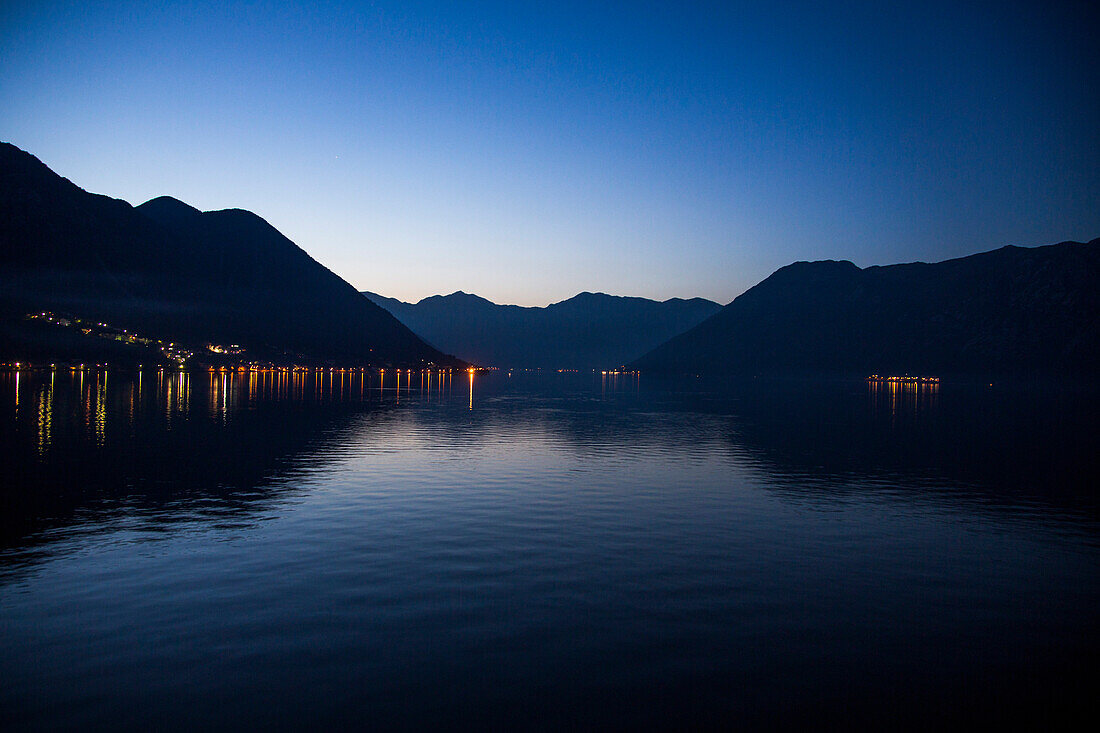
<point x="992" y="447"/>
<point x="87" y="447"/>
<point x="989" y="447"/>
<point x="165" y="446"/>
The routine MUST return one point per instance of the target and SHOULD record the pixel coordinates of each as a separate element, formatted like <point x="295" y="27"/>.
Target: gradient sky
<point x="529" y="151"/>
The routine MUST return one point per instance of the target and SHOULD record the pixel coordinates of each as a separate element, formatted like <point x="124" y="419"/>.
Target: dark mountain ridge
<point x="1010" y="311"/>
<point x="170" y="271"/>
<point x="587" y="331"/>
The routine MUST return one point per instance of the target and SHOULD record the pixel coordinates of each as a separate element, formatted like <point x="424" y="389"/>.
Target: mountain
<point x="171" y="272"/>
<point x="587" y="331"/>
<point x="1012" y="311"/>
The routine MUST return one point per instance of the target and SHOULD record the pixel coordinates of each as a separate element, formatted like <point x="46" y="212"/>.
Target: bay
<point x="529" y="550"/>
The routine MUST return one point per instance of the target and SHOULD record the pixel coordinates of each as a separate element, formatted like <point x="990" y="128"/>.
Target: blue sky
<point x="528" y="151"/>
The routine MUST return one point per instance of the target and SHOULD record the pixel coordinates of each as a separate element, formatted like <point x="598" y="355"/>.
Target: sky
<point x="530" y="151"/>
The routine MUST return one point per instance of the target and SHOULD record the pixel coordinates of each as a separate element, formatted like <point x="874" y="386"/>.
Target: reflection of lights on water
<point x="131" y="404"/>
<point x="86" y="402"/>
<point x="45" y="416"/>
<point x="101" y="409"/>
<point x="618" y="380"/>
<point x="224" y="391"/>
<point x="167" y="388"/>
<point x="183" y="392"/>
<point x="224" y="397"/>
<point x="914" y="393"/>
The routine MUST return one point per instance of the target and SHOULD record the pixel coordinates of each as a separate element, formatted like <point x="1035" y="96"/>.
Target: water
<point x="209" y="550"/>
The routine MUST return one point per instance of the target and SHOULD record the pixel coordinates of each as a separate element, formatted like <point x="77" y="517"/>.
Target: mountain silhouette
<point x="166" y="270"/>
<point x="1012" y="311"/>
<point x="587" y="331"/>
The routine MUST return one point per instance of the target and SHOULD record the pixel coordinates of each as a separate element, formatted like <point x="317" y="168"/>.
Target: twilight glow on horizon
<point x="526" y="152"/>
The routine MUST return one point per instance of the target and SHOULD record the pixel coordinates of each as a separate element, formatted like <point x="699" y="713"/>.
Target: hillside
<point x="1014" y="310"/>
<point x="169" y="271"/>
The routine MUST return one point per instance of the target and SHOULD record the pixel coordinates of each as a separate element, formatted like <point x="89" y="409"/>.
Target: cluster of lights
<point x="904" y="379"/>
<point x="177" y="353"/>
<point x="269" y="368"/>
<point x="232" y="349"/>
<point x="27" y="366"/>
<point x="180" y="355"/>
<point x="52" y="318"/>
<point x="97" y="328"/>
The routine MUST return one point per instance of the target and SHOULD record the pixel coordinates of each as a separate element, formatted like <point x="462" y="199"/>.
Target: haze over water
<point x="182" y="550"/>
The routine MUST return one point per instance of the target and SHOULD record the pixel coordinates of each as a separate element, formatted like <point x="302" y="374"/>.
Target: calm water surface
<point x="200" y="550"/>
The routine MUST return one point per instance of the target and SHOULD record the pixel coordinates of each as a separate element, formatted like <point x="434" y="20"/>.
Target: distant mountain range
<point x="1012" y="311"/>
<point x="587" y="331"/>
<point x="229" y="279"/>
<point x="170" y="272"/>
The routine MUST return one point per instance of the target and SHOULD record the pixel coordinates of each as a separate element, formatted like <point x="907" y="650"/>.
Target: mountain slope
<point x="587" y="331"/>
<point x="175" y="273"/>
<point x="1010" y="311"/>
